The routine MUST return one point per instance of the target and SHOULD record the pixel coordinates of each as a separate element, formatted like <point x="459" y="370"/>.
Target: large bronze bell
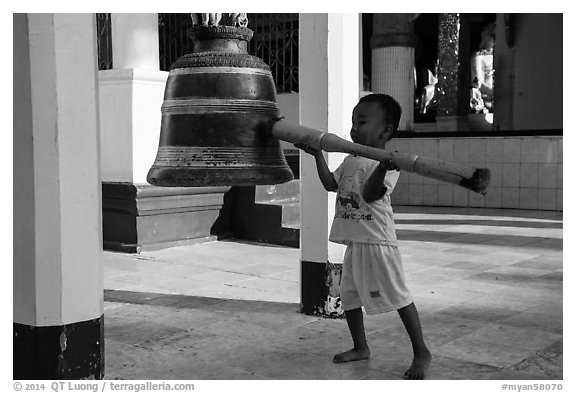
<point x="218" y="104"/>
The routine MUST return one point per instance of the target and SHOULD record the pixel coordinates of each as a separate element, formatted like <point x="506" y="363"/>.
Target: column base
<point x="320" y="289"/>
<point x="142" y="217"/>
<point x="73" y="351"/>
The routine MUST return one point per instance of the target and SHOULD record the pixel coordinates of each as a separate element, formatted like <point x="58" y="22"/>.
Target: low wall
<point x="526" y="170"/>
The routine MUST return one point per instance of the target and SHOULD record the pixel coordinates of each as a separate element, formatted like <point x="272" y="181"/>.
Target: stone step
<point x="290" y="212"/>
<point x="274" y="215"/>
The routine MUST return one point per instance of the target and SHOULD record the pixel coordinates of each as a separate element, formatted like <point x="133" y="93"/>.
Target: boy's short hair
<point x="389" y="105"/>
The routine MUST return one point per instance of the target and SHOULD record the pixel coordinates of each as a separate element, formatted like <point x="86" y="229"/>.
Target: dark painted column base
<point x="74" y="351"/>
<point x="320" y="289"/>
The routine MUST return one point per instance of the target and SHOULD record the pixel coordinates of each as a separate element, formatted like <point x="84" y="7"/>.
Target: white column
<point x="393" y="62"/>
<point x="329" y="90"/>
<point x="131" y="95"/>
<point x="135" y="41"/>
<point x="57" y="202"/>
<point x="393" y="74"/>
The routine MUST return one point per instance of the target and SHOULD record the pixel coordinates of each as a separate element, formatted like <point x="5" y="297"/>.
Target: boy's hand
<point x="307" y="148"/>
<point x="388" y="165"/>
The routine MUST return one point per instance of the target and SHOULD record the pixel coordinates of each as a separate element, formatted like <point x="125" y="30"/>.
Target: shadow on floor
<point x="195" y="302"/>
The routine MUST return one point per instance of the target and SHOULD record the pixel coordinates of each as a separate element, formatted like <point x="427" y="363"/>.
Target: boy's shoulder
<point x="360" y="161"/>
<point x="350" y="161"/>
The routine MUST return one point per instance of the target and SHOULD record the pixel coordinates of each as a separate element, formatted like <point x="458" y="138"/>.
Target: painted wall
<point x="528" y="75"/>
<point x="131" y="97"/>
<point x="526" y="172"/>
<point x="130" y="118"/>
<point x="135" y="41"/>
<point x="115" y="98"/>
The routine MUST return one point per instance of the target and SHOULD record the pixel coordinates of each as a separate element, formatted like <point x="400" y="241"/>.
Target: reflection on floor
<point x="487" y="284"/>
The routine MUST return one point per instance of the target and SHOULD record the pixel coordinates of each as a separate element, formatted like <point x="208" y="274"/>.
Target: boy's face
<point x="369" y="126"/>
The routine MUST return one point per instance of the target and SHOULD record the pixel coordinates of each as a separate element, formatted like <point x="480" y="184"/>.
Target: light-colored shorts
<point x="373" y="277"/>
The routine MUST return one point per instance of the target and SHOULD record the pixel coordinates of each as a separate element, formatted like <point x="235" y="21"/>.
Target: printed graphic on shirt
<point x="349" y="204"/>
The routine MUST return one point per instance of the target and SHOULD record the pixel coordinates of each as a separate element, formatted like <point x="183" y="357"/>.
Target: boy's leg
<point x="422" y="356"/>
<point x="355" y="321"/>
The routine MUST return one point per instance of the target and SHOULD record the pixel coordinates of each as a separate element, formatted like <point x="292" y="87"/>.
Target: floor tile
<point x="439" y="329"/>
<point x="522" y="338"/>
<point x="545" y="323"/>
<point x="541" y="262"/>
<point x="447" y="368"/>
<point x="551" y="307"/>
<point x="136" y="332"/>
<point x="479" y="313"/>
<point x="484" y="352"/>
<point x="547" y="363"/>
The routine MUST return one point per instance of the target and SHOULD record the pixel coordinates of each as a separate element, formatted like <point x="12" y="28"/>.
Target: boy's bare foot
<point x="419" y="367"/>
<point x="352" y="355"/>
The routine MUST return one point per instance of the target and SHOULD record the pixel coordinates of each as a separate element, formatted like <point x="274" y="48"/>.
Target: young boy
<point x="372" y="273"/>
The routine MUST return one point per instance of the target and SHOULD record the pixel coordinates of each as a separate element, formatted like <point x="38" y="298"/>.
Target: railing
<point x="104" y="39"/>
<point x="174" y="41"/>
<point x="276" y="42"/>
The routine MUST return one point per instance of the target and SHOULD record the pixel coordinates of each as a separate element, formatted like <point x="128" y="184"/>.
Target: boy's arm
<point x="326" y="177"/>
<point x="374" y="187"/>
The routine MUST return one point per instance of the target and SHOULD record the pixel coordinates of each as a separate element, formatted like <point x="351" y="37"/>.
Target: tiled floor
<point x="487" y="284"/>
